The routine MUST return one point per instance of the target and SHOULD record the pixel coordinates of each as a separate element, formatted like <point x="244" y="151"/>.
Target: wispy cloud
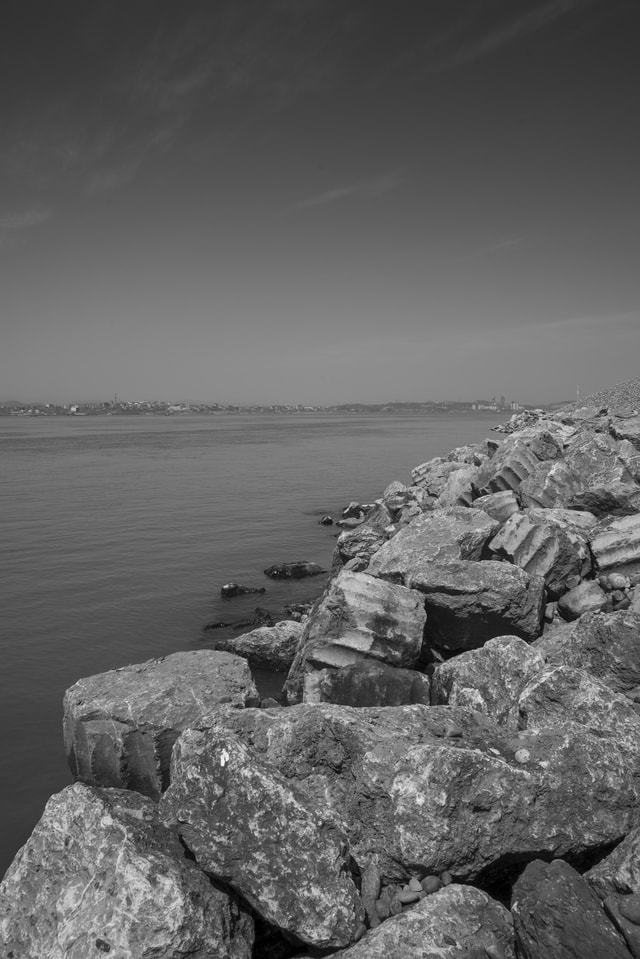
<point x="14" y="225"/>
<point x="365" y="188"/>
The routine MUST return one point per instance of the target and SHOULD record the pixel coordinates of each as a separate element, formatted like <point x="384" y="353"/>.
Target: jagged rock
<point x="619" y="872"/>
<point x="120" y="726"/>
<point x="630" y="456"/>
<point x="532" y="542"/>
<point x="457" y="922"/>
<point x="459" y="488"/>
<point x="397" y="497"/>
<point x="296" y="570"/>
<point x="359" y="617"/>
<point x="432" y="475"/>
<point x="252" y="828"/>
<point x="499" y="506"/>
<point x="428" y="788"/>
<point x="586" y="597"/>
<point x="605" y="644"/>
<point x="489" y="679"/>
<point x="268" y="647"/>
<point x="435" y="537"/>
<point x="612" y="499"/>
<point x="596" y="459"/>
<point x="469" y="603"/>
<point x="556" y="914"/>
<point x="101" y="874"/>
<point x="514" y="461"/>
<point x="367" y="683"/>
<point x="627" y="429"/>
<point x="364" y="541"/>
<point x="559" y="694"/>
<point x="550" y="485"/>
<point x="625" y="914"/>
<point x="615" y="545"/>
<point x="474" y="455"/>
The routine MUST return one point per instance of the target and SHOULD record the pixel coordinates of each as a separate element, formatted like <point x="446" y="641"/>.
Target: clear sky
<point x="318" y="201"/>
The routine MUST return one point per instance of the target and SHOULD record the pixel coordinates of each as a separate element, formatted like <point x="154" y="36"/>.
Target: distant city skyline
<point x="282" y="201"/>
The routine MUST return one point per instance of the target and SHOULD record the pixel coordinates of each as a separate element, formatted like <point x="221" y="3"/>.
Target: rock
<point x="459" y="488"/>
<point x="474" y="455"/>
<point x="625" y="914"/>
<point x="605" y="644"/>
<point x="615" y="545"/>
<point x="556" y="914"/>
<point x="120" y="726"/>
<point x="619" y="873"/>
<point x="325" y="521"/>
<point x="499" y="506"/>
<point x="267" y="647"/>
<point x="294" y="570"/>
<point x="370" y="890"/>
<point x="587" y="597"/>
<point x="469" y="603"/>
<point x="543" y="548"/>
<point x="355" y="510"/>
<point x="489" y="679"/>
<point x="406" y="794"/>
<point x="101" y="874"/>
<point x="627" y="429"/>
<point x="358" y="617"/>
<point x="630" y="456"/>
<point x="229" y="590"/>
<point x="596" y="459"/>
<point x="612" y="499"/>
<point x="252" y="828"/>
<point x="514" y="460"/>
<point x="366" y="683"/>
<point x="436" y="537"/>
<point x="443" y="926"/>
<point x="364" y="541"/>
<point x="432" y="475"/>
<point x="550" y="485"/>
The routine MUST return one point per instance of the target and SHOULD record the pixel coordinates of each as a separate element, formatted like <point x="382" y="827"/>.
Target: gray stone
<point x="499" y="506"/>
<point x="610" y="499"/>
<point x="615" y="545"/>
<point x="101" y="874"/>
<point x="595" y="457"/>
<point x="459" y="488"/>
<point x="515" y="459"/>
<point x="432" y="475"/>
<point x="627" y="429"/>
<point x="267" y="647"/>
<point x="619" y="872"/>
<point x="120" y="726"/>
<point x="587" y="597"/>
<point x="367" y="683"/>
<point x="550" y="485"/>
<point x="364" y="541"/>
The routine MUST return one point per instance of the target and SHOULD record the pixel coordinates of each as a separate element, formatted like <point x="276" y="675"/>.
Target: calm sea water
<point x="117" y="534"/>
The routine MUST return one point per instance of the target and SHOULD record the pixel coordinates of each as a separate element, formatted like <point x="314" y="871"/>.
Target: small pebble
<point x="629" y="907"/>
<point x="382" y="908"/>
<point x="408" y="895"/>
<point x="522" y="756"/>
<point x="431" y="884"/>
<point x="446" y="878"/>
<point x="415" y="885"/>
<point x="618" y="581"/>
<point x="494" y="950"/>
<point x="395" y="906"/>
<point x="452" y="731"/>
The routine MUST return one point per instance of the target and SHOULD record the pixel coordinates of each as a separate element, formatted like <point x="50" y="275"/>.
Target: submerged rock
<point x="294" y="570"/>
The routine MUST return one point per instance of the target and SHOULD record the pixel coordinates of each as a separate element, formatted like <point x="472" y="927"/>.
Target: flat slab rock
<point x="457" y="922"/>
<point x="267" y="647"/>
<point x="423" y="787"/>
<point x="101" y="875"/>
<point x="120" y="726"/>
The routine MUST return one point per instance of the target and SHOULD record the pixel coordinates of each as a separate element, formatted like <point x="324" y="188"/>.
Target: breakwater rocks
<point x="453" y="769"/>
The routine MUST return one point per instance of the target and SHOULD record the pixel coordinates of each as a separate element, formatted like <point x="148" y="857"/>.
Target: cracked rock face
<point x="100" y="875"/>
<point x="120" y="726"/>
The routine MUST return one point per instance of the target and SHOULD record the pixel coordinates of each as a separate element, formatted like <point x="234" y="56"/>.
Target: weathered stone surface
<point x="432" y="475"/>
<point x="297" y="570"/>
<point x="586" y="597"/>
<point x="556" y="914"/>
<point x="268" y="647"/>
<point x="101" y="874"/>
<point x="469" y="603"/>
<point x="255" y="830"/>
<point x="627" y="429"/>
<point x="559" y="694"/>
<point x="595" y="457"/>
<point x="499" y="506"/>
<point x="432" y="788"/>
<point x="619" y="872"/>
<point x="457" y="922"/>
<point x="543" y="548"/>
<point x="514" y="461"/>
<point x="365" y="540"/>
<point x="459" y="488"/>
<point x="550" y="485"/>
<point x="435" y="537"/>
<point x="397" y="497"/>
<point x="630" y="456"/>
<point x="489" y="679"/>
<point x="359" y="617"/>
<point x="120" y="726"/>
<point x="475" y="454"/>
<point x="611" y="499"/>
<point x="367" y="683"/>
<point x="615" y="544"/>
<point x="605" y="644"/>
<point x="624" y="911"/>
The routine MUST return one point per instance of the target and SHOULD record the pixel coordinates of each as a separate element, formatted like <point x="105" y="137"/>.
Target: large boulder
<point x="367" y="683"/>
<point x="253" y="828"/>
<point x="469" y="603"/>
<point x="365" y="540"/>
<point x="100" y="875"/>
<point x="609" y="499"/>
<point x="615" y="545"/>
<point x="619" y="872"/>
<point x="449" y="924"/>
<point x="596" y="459"/>
<point x="267" y="647"/>
<point x="586" y="597"/>
<point x="489" y="679"/>
<point x="514" y="460"/>
<point x="499" y="506"/>
<point x="627" y="429"/>
<point x="459" y="488"/>
<point x="556" y="914"/>
<point x="120" y="726"/>
<point x="434" y="474"/>
<point x="550" y="485"/>
<point x="435" y="537"/>
<point x="414" y="789"/>
<point x="359" y="617"/>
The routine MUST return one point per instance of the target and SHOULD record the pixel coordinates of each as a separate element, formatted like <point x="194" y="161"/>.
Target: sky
<point x="318" y="201"/>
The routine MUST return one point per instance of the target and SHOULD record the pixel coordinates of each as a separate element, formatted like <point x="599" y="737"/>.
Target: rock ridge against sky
<point x="307" y="200"/>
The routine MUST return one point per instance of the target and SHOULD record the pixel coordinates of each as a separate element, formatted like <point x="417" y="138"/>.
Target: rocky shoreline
<point x="453" y="769"/>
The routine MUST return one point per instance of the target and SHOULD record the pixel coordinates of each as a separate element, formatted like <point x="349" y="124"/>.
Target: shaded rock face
<point x="297" y="570"/>
<point x="469" y="603"/>
<point x="450" y="924"/>
<point x="359" y="617"/>
<point x="619" y="872"/>
<point x="616" y="545"/>
<point x="489" y="680"/>
<point x="268" y="647"/>
<point x="367" y="683"/>
<point x="361" y="543"/>
<point x="555" y="913"/>
<point x="586" y="597"/>
<point x="512" y="463"/>
<point x="419" y="789"/>
<point x="120" y="726"/>
<point x="611" y="499"/>
<point x="252" y="828"/>
<point x="101" y="875"/>
<point x="499" y="506"/>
